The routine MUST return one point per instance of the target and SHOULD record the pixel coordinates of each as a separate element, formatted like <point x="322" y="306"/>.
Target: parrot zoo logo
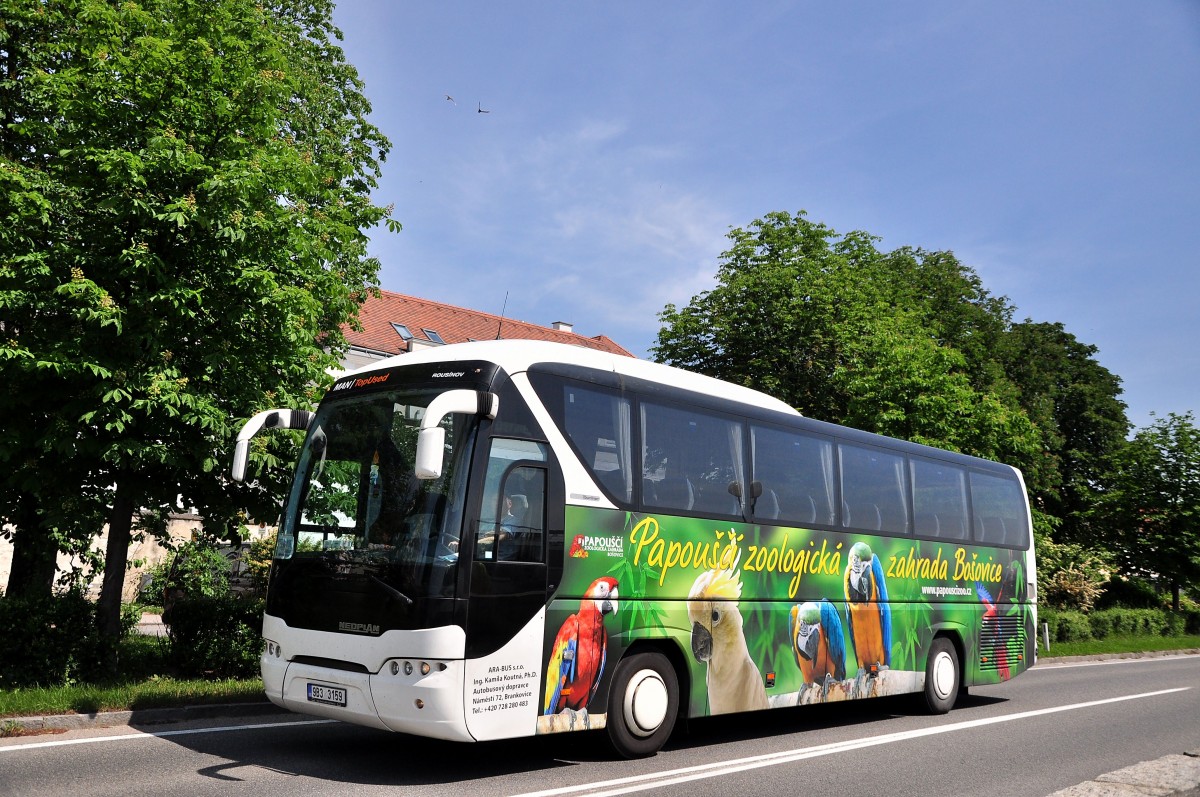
<point x="583" y="545"/>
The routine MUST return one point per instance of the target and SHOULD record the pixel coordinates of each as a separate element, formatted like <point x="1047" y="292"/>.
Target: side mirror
<point x="267" y="419"/>
<point x="431" y="437"/>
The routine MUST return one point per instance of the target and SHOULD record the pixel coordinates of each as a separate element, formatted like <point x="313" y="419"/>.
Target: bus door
<point x="508" y="582"/>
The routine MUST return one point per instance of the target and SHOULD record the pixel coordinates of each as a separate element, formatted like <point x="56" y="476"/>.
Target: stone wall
<point x="180" y="529"/>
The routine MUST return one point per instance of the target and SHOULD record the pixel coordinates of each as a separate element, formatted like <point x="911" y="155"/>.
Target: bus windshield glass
<point x="358" y="505"/>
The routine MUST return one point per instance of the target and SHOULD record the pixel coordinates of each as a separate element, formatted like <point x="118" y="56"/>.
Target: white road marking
<point x="141" y="736"/>
<point x="608" y="788"/>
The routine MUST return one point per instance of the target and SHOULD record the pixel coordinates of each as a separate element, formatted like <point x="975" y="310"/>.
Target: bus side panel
<point x="800" y="615"/>
<point x="501" y="689"/>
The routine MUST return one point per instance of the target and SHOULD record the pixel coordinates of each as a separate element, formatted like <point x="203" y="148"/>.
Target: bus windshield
<point x="357" y="505"/>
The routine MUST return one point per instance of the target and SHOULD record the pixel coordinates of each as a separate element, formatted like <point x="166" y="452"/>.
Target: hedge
<point x="53" y="641"/>
<point x="1073" y="626"/>
<point x="216" y="637"/>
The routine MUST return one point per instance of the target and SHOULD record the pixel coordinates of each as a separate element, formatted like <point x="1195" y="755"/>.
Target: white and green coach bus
<point x="498" y="539"/>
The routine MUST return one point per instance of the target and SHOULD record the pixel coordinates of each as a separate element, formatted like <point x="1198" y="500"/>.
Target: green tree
<point x="849" y="334"/>
<point x="184" y="189"/>
<point x="1152" y="510"/>
<point x="1075" y="402"/>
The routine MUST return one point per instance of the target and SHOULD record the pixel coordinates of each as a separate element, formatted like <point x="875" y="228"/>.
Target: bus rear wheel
<point x="943" y="678"/>
<point x="642" y="705"/>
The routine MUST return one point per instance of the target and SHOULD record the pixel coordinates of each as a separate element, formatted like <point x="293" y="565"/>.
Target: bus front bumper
<point x="405" y="700"/>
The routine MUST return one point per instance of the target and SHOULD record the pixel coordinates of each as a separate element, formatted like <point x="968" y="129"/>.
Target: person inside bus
<point x="510" y="532"/>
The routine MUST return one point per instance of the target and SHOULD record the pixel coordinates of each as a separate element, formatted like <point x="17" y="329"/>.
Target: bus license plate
<point x="326" y="694"/>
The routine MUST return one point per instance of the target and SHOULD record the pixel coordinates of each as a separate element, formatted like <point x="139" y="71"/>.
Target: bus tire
<point x="943" y="678"/>
<point x="643" y="703"/>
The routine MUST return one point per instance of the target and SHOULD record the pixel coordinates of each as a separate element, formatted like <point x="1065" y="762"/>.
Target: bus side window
<point x="796" y="474"/>
<point x="511" y="524"/>
<point x="939" y="499"/>
<point x="874" y="486"/>
<point x="525" y="527"/>
<point x="598" y="425"/>
<point x="999" y="508"/>
<point x="691" y="461"/>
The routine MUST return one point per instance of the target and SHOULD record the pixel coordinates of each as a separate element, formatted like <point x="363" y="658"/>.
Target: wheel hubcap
<point x="645" y="703"/>
<point x="943" y="675"/>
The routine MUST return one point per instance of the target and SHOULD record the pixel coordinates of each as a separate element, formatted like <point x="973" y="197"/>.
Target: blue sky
<point x="1053" y="147"/>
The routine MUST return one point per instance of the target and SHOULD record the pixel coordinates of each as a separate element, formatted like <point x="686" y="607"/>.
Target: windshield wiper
<point x="392" y="590"/>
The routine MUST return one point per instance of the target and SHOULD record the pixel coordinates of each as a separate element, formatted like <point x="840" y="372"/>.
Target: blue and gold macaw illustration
<point x="868" y="614"/>
<point x="819" y="645"/>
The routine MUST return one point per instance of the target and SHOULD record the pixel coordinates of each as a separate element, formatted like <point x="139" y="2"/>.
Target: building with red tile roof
<point x="393" y="323"/>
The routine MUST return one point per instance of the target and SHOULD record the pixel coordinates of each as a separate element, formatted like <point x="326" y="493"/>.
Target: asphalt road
<point x="1053" y="727"/>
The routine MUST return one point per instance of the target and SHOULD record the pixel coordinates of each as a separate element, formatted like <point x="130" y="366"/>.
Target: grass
<point x="152" y="693"/>
<point x="1122" y="644"/>
<point x="142" y="685"/>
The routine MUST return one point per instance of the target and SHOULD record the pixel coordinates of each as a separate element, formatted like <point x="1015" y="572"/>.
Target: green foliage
<point x="1071" y="576"/>
<point x="898" y="343"/>
<point x="1130" y="622"/>
<point x="1129" y="593"/>
<point x="1152" y="509"/>
<point x="1119" y="623"/>
<point x="51" y="641"/>
<point x="908" y="343"/>
<point x="217" y="637"/>
<point x="1075" y="403"/>
<point x="258" y="560"/>
<point x="184" y="194"/>
<point x="1066" y="626"/>
<point x="196" y="570"/>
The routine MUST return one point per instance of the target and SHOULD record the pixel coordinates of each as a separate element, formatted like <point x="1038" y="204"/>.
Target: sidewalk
<point x="1169" y="776"/>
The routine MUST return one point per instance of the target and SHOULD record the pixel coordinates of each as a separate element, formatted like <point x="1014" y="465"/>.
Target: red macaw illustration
<point x="580" y="649"/>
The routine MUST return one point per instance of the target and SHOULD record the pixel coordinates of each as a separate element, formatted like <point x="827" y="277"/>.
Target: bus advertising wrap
<point x="771" y="616"/>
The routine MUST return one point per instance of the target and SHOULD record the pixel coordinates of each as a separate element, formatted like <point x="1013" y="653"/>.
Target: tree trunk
<point x="116" y="558"/>
<point x="35" y="555"/>
<point x="1175" y="590"/>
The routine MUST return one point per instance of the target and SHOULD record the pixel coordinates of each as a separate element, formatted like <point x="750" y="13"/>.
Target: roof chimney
<point x="563" y="326"/>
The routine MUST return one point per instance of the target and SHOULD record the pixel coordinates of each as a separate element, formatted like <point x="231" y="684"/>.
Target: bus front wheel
<point x="642" y="704"/>
<point x="943" y="678"/>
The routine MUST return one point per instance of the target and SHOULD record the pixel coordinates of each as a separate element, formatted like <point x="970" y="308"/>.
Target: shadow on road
<point x="349" y="754"/>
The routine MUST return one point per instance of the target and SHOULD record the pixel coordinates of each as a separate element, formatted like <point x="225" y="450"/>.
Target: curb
<point x="146" y="716"/>
<point x="1177" y="775"/>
